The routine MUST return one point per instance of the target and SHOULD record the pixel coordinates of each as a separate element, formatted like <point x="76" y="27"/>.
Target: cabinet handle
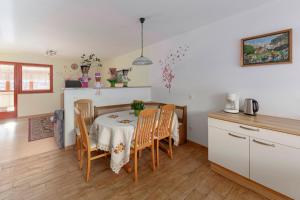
<point x="236" y="136"/>
<point x="249" y="129"/>
<point x="263" y="143"/>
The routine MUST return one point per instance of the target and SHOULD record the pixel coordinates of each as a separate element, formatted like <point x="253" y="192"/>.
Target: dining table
<point x="114" y="132"/>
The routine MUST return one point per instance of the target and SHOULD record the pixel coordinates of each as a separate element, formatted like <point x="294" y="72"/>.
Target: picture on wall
<point x="271" y="48"/>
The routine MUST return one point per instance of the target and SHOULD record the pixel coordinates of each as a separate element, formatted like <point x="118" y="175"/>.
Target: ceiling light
<point x="142" y="60"/>
<point x="51" y="52"/>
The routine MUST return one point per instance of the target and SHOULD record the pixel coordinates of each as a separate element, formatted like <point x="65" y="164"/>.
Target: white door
<point x="275" y="166"/>
<point x="229" y="149"/>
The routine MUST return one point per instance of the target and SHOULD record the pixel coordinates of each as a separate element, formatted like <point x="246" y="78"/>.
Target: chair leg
<point x="135" y="166"/>
<point x="153" y="156"/>
<point x="157" y="153"/>
<point x="170" y="148"/>
<point x="78" y="147"/>
<point x="81" y="159"/>
<point x="88" y="168"/>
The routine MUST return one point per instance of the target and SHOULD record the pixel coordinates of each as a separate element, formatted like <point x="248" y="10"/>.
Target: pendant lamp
<point x="142" y="60"/>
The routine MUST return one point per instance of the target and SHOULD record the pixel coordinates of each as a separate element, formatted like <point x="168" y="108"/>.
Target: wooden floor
<point x="55" y="175"/>
<point x="14" y="142"/>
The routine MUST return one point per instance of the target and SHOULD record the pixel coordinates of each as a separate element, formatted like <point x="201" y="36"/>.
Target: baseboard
<point x="256" y="187"/>
<point x="196" y="144"/>
<point x="30" y="116"/>
<point x="70" y="147"/>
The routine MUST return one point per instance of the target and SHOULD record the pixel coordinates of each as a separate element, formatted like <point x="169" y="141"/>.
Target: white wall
<point x="211" y="67"/>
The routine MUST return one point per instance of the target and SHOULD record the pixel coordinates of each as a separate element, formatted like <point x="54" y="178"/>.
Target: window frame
<point x="20" y="80"/>
<point x="13" y="114"/>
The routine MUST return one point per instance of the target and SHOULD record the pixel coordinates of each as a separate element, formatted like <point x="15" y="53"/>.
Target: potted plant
<point x="113" y="77"/>
<point x="125" y="78"/>
<point x="112" y="82"/>
<point x="85" y="65"/>
<point x="137" y="106"/>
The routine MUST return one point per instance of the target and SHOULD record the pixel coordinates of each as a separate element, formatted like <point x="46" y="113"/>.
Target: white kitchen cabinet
<point x="229" y="149"/>
<point x="275" y="166"/>
<point x="263" y="149"/>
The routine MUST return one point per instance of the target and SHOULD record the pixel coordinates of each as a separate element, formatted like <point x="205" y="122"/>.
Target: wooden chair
<point x="86" y="108"/>
<point x="164" y="128"/>
<point x="144" y="136"/>
<point x="181" y="112"/>
<point x="88" y="144"/>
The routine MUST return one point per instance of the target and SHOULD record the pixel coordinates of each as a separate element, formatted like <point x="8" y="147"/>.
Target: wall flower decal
<point x="170" y="62"/>
<point x="167" y="76"/>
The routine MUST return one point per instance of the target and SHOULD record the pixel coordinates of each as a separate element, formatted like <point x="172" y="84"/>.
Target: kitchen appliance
<point x="232" y="105"/>
<point x="250" y="107"/>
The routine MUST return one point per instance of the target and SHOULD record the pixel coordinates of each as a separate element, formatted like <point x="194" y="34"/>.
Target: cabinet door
<point x="275" y="166"/>
<point x="229" y="150"/>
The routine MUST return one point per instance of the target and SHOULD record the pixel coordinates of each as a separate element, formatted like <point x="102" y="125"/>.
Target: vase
<point x="137" y="112"/>
<point x="113" y="73"/>
<point x="84" y="79"/>
<point x="112" y="84"/>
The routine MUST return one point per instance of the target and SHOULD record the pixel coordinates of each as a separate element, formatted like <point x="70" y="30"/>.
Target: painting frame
<point x="289" y="59"/>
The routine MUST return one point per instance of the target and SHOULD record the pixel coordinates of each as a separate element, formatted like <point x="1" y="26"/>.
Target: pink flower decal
<point x="167" y="76"/>
<point x="169" y="62"/>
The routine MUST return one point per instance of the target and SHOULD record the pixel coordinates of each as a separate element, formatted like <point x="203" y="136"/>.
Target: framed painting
<point x="271" y="48"/>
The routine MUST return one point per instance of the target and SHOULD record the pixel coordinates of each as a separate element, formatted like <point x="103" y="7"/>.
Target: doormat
<point x="40" y="127"/>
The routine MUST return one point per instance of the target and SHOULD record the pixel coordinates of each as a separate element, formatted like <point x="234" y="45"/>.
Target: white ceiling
<point x="105" y="27"/>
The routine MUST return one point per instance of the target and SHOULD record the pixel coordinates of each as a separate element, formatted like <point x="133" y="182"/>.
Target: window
<point x="26" y="78"/>
<point x="36" y="78"/>
<point x="6" y="78"/>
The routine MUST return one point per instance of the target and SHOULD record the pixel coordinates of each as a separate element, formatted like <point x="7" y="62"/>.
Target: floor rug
<point x="40" y="127"/>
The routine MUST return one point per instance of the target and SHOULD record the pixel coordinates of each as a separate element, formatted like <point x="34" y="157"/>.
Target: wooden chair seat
<point x="88" y="144"/>
<point x="144" y="137"/>
<point x="164" y="129"/>
<point x="86" y="108"/>
<point x="93" y="142"/>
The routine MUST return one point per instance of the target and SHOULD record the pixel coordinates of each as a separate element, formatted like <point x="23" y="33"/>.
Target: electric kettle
<point x="250" y="107"/>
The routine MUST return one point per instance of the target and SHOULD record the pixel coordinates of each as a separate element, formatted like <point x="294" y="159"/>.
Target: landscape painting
<point x="272" y="48"/>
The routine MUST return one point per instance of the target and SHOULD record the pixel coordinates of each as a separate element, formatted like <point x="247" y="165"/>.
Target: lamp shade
<point x="142" y="61"/>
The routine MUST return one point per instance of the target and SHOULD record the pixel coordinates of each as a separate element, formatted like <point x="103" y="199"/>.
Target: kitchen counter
<point x="290" y="126"/>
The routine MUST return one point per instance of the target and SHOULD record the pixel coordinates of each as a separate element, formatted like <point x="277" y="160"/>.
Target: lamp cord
<point x="142" y="34"/>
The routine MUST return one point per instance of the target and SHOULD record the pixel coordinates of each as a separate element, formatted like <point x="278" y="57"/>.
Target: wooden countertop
<point x="285" y="125"/>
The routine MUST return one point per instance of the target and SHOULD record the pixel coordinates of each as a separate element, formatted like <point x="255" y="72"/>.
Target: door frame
<point x="14" y="114"/>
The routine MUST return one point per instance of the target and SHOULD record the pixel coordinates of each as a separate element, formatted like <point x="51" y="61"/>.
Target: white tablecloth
<point x="117" y="137"/>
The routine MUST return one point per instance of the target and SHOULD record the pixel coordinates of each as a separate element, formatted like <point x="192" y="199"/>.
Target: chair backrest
<point x="82" y="128"/>
<point x="144" y="135"/>
<point x="86" y="108"/>
<point x="165" y="120"/>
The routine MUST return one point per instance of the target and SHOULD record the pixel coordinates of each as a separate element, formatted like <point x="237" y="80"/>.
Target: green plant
<point x="137" y="105"/>
<point x="90" y="59"/>
<point x="112" y="82"/>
